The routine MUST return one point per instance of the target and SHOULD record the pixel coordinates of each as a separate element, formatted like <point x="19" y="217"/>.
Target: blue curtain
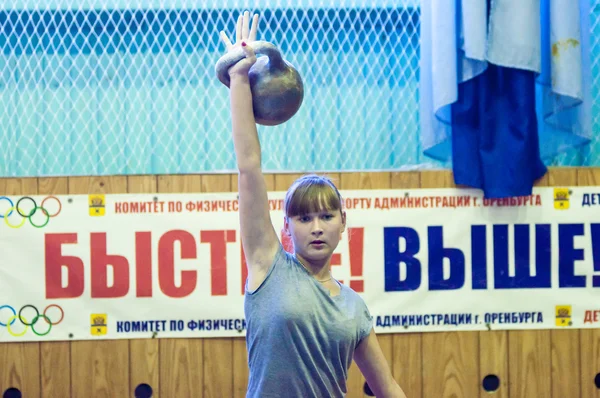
<point x="504" y="88"/>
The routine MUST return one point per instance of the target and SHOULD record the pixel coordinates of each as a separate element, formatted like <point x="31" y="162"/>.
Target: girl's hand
<point x="244" y="36"/>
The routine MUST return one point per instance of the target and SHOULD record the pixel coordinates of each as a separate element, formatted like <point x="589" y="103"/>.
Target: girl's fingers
<point x="249" y="51"/>
<point x="245" y="24"/>
<point x="238" y="30"/>
<point x="243" y="31"/>
<point x="252" y="36"/>
<point x="225" y="39"/>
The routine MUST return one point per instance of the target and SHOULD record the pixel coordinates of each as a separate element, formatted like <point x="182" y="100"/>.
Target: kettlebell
<point x="276" y="86"/>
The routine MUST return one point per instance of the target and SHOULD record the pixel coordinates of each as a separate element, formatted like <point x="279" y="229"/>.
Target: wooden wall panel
<point x="55" y="357"/>
<point x="494" y="354"/>
<point x="144" y="362"/>
<point x="181" y="360"/>
<point x="218" y="352"/>
<point x="20" y="362"/>
<point x="18" y="186"/>
<point x="99" y="368"/>
<point x="493" y="362"/>
<point x="142" y="184"/>
<point x="407" y="364"/>
<point x="240" y="367"/>
<point x="529" y="363"/>
<point x="20" y="368"/>
<point x="566" y="363"/>
<point x="283" y="181"/>
<point x="181" y="364"/>
<point x="144" y="354"/>
<point x="589" y="342"/>
<point x="552" y="363"/>
<point x="590" y="363"/>
<point x="352" y="181"/>
<point x="529" y="355"/>
<point x="53" y="186"/>
<point x="565" y="351"/>
<point x="450" y="357"/>
<point x="588" y="177"/>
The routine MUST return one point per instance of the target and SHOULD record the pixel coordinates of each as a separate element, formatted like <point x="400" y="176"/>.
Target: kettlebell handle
<point x="260" y="48"/>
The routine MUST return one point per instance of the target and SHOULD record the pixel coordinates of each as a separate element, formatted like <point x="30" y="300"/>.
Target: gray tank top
<point x="301" y="340"/>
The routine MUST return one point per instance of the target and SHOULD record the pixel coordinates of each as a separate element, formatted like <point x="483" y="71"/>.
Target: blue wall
<point x="134" y="92"/>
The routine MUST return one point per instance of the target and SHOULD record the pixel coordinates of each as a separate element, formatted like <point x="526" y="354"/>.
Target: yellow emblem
<point x="561" y="198"/>
<point x="97" y="205"/>
<point x="98" y="324"/>
<point x="563" y="315"/>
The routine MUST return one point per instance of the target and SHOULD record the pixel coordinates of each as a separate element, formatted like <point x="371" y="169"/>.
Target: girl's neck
<point x="320" y="272"/>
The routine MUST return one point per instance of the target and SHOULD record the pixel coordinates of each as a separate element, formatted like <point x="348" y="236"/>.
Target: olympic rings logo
<point x="28" y="211"/>
<point x="38" y="330"/>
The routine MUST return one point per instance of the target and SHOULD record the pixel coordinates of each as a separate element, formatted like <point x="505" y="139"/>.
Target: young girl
<point x="304" y="328"/>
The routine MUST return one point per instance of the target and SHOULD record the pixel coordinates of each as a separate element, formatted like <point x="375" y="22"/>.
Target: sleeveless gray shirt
<point x="300" y="339"/>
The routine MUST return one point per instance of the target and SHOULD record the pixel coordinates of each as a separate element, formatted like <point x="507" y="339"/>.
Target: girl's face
<point x="316" y="235"/>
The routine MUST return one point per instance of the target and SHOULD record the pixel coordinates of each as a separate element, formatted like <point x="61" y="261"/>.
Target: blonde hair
<point x="312" y="193"/>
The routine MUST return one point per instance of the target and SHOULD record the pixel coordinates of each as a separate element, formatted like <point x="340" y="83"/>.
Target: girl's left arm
<point x="374" y="367"/>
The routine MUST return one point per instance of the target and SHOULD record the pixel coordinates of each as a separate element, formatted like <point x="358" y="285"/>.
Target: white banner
<point x="84" y="267"/>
